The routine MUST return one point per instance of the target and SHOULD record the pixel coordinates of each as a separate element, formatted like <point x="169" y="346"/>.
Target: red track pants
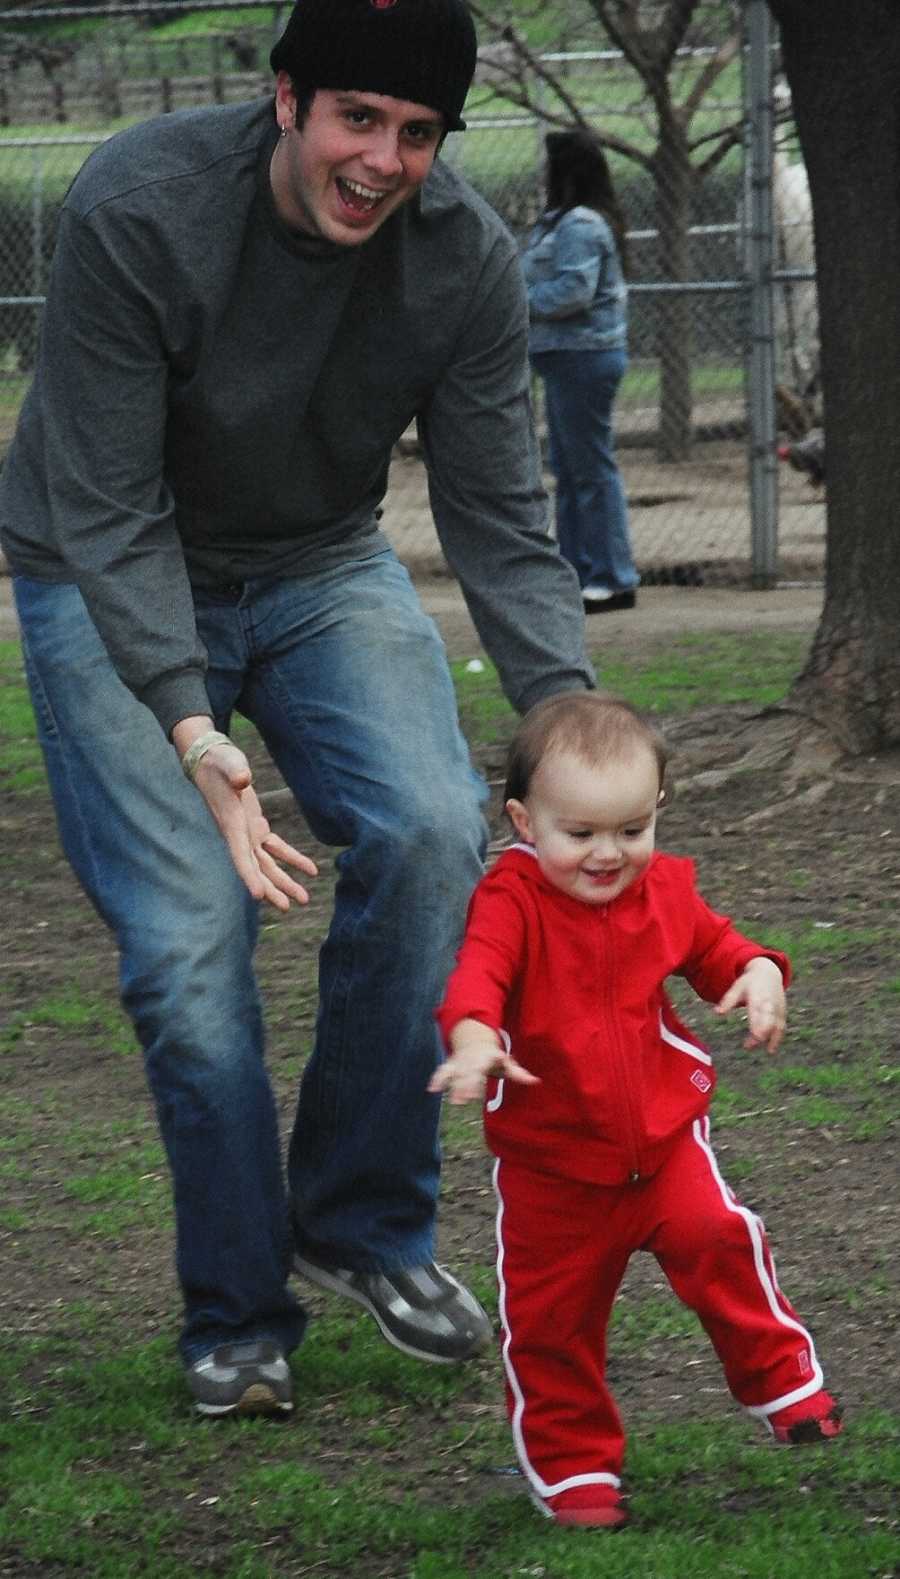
<point x="563" y="1247"/>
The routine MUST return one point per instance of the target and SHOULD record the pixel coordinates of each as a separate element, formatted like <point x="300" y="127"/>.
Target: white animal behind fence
<point x="796" y="301"/>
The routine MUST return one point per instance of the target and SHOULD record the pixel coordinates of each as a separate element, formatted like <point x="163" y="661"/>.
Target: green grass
<point x="635" y="1325"/>
<point x="21" y="766"/>
<point x="73" y="1009"/>
<point x="105" y="1473"/>
<point x="641" y="384"/>
<point x="692" y="670"/>
<point x="203" y="23"/>
<point x="59" y="164"/>
<point x="385" y="1471"/>
<point x="816" y="945"/>
<point x="127" y="1180"/>
<point x="746" y="667"/>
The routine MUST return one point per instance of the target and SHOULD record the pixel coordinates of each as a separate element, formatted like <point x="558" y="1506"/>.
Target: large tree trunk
<point x="843" y="65"/>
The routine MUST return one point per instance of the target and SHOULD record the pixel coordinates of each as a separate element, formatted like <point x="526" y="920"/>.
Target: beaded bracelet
<point x="198" y="749"/>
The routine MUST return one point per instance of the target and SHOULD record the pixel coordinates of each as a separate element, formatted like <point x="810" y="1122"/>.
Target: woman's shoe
<point x="598" y="600"/>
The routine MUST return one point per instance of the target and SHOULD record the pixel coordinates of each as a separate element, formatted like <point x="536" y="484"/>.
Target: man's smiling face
<point x="357" y="159"/>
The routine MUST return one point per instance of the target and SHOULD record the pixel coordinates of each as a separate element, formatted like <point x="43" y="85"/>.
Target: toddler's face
<point x="593" y="828"/>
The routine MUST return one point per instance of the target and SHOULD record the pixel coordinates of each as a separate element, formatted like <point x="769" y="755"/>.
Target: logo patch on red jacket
<point x="700" y="1080"/>
<point x="382" y="5"/>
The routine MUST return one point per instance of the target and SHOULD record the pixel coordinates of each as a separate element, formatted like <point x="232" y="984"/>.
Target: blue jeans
<point x="346" y="679"/>
<point x="591" y="509"/>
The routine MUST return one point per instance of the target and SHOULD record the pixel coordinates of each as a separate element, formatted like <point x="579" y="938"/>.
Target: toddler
<point x="598" y="1098"/>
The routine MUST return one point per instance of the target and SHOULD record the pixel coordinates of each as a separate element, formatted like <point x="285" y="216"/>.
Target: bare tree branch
<point x="516" y="83"/>
<point x="618" y="145"/>
<point x="733" y="132"/>
<point x="619" y="19"/>
<point x="675" y="24"/>
<point x="730" y="135"/>
<point x="649" y="50"/>
<point x="714" y="67"/>
<point x="728" y="139"/>
<point x="533" y="64"/>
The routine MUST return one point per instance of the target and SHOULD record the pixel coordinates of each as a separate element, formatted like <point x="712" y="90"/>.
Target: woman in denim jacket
<point x="574" y="269"/>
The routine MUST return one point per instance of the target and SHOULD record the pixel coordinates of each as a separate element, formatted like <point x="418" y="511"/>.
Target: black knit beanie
<point x="420" y="50"/>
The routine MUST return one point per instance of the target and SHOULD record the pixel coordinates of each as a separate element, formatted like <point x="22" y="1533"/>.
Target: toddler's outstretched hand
<point x="475" y="1054"/>
<point x="760" y="989"/>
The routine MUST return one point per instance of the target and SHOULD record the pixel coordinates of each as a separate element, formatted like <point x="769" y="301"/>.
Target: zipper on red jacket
<point x="623" y="1079"/>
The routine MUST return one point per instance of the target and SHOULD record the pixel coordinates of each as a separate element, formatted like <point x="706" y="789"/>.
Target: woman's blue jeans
<point x="591" y="509"/>
<point x="346" y="679"/>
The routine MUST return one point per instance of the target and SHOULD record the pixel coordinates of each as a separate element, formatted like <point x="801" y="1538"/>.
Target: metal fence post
<point x="37" y="221"/>
<point x="759" y="262"/>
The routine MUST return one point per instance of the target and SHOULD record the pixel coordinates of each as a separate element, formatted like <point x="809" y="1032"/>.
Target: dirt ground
<point x="660" y="610"/>
<point x="688" y="517"/>
<point x="780" y="841"/>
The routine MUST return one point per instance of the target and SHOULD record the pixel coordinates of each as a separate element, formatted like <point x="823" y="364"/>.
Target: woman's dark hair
<point x="578" y="176"/>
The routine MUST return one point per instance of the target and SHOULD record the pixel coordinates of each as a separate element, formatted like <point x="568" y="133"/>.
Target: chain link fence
<point x="683" y="431"/>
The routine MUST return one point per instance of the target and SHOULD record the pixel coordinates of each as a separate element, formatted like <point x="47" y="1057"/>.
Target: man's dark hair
<point x="303" y="98"/>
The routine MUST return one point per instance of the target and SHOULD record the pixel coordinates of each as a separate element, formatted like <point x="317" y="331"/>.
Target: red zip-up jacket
<point x="579" y="990"/>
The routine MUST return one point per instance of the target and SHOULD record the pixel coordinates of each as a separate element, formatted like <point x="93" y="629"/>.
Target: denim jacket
<point x="577" y="297"/>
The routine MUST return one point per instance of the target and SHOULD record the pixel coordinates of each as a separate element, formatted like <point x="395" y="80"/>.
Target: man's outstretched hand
<point x="260" y="856"/>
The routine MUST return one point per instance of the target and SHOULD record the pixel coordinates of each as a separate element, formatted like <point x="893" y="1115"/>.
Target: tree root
<point x="791" y="761"/>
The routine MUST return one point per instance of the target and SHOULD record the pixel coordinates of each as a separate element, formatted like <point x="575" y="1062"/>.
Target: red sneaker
<point x="816" y="1419"/>
<point x="597" y="1507"/>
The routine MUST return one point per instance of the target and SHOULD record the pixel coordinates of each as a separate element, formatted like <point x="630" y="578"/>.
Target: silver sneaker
<point x="242" y="1378"/>
<point x="422" y="1310"/>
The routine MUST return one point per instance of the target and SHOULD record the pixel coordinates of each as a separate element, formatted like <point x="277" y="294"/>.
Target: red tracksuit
<point x="610" y="1153"/>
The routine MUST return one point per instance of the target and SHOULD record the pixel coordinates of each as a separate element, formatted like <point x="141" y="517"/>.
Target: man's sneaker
<point x="596" y="1507"/>
<point x="815" y="1419"/>
<point x="242" y="1378"/>
<point x="421" y="1310"/>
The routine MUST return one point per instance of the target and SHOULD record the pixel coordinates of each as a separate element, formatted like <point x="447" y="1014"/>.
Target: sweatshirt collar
<point x="522" y="858"/>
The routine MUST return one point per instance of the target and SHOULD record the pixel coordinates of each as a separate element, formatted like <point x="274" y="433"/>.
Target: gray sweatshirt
<point x="216" y="399"/>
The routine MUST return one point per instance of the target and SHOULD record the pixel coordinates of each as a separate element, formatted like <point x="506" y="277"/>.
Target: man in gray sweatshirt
<point x="248" y="306"/>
